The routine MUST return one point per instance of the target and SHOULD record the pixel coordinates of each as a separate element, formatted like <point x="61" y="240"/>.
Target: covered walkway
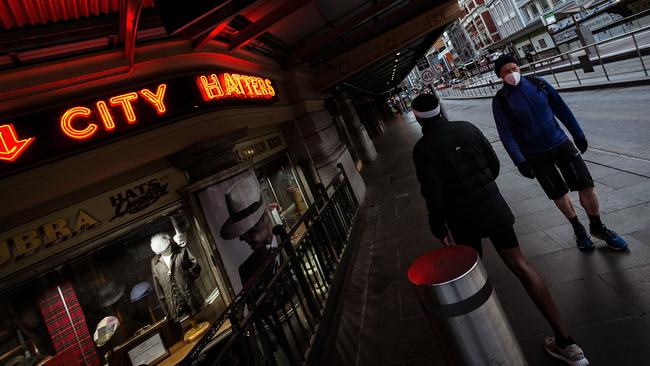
<point x="603" y="295"/>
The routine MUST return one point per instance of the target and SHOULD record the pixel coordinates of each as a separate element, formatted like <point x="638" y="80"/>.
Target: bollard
<point x="463" y="311"/>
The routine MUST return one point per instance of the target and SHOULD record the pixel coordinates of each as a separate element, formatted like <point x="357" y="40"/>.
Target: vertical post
<point x="574" y="70"/>
<point x="297" y="270"/>
<point x="639" y="53"/>
<point x="553" y="72"/>
<point x="601" y="61"/>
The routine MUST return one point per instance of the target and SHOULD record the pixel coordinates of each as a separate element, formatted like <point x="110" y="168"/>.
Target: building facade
<point x="478" y="23"/>
<point x="507" y="16"/>
<point x="459" y="44"/>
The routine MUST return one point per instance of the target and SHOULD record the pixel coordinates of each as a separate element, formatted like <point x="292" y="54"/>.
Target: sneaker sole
<point x="583" y="362"/>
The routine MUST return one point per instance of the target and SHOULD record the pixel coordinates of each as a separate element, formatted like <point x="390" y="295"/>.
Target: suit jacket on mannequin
<point x="175" y="286"/>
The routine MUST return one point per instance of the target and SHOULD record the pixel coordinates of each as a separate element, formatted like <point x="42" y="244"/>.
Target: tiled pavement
<point x="604" y="296"/>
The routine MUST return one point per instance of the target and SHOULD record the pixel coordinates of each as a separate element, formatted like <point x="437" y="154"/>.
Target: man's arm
<point x="505" y="134"/>
<point x="431" y="190"/>
<point x="563" y="112"/>
<point x="490" y="155"/>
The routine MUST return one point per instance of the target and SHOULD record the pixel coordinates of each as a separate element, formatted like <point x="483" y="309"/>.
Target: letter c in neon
<point x="70" y="131"/>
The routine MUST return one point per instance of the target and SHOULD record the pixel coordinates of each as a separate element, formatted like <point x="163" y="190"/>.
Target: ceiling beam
<point x="324" y="39"/>
<point x="260" y="26"/>
<point x="207" y="22"/>
<point x="366" y="54"/>
<point x="129" y="17"/>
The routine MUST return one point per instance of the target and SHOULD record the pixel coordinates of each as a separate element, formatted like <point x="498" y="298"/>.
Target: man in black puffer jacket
<point x="456" y="167"/>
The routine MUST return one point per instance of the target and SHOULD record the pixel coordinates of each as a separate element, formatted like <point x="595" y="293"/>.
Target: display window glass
<point x="283" y="192"/>
<point x="78" y="313"/>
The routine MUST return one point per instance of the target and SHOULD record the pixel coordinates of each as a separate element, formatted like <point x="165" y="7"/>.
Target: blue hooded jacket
<point x="535" y="128"/>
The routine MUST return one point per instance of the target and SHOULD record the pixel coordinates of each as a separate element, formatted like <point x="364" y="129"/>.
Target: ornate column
<point x="358" y="133"/>
<point x="313" y="138"/>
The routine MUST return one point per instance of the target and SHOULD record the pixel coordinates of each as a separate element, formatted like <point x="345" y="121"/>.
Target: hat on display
<point x="105" y="330"/>
<point x="502" y="61"/>
<point x="245" y="206"/>
<point x="160" y="242"/>
<point x="110" y="293"/>
<point x="139" y="291"/>
<point x="426" y="106"/>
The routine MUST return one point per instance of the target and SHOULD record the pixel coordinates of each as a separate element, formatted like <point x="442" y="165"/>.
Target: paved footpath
<point x="603" y="295"/>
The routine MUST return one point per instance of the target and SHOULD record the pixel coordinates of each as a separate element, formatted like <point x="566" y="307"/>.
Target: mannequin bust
<point x="174" y="271"/>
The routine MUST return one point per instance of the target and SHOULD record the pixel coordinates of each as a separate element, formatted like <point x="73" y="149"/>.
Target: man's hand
<point x="526" y="170"/>
<point x="581" y="144"/>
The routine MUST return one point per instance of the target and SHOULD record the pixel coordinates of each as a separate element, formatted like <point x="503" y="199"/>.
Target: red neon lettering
<point x="10" y="146"/>
<point x="255" y="85"/>
<point x="210" y="89"/>
<point x="156" y="99"/>
<point x="105" y="115"/>
<point x="125" y="101"/>
<point x="231" y="85"/>
<point x="247" y="83"/>
<point x="68" y="129"/>
<point x="269" y="89"/>
<point x="262" y="86"/>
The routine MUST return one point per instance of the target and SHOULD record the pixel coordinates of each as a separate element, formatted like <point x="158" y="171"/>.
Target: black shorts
<point x="567" y="159"/>
<point x="506" y="239"/>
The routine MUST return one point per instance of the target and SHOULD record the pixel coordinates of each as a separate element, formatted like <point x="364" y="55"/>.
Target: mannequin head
<point x="161" y="243"/>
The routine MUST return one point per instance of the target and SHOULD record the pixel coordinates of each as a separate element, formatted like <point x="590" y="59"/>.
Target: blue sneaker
<point x="611" y="238"/>
<point x="582" y="238"/>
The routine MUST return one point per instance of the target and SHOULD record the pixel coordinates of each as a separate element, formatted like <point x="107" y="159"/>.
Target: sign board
<point x="148" y="352"/>
<point x="52" y="132"/>
<point x="32" y="248"/>
<point x="427" y="76"/>
<point x="260" y="148"/>
<point x="549" y="19"/>
<point x="423" y="64"/>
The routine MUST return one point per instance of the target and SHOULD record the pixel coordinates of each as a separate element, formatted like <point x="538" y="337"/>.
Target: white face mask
<point x="512" y="78"/>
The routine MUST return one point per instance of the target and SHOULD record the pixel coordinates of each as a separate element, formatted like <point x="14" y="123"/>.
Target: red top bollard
<point x="442" y="265"/>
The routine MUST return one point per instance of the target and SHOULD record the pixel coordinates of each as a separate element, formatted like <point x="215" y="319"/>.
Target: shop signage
<point x="36" y="245"/>
<point x="260" y="148"/>
<point x="53" y="132"/>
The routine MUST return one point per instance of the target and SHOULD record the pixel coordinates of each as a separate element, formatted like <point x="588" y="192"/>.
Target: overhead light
<point x="397" y="54"/>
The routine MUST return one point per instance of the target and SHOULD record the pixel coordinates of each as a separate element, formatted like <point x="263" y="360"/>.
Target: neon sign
<point x="50" y="132"/>
<point x="227" y="85"/>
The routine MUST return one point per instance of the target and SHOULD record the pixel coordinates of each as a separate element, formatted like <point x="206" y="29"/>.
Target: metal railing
<point x="274" y="319"/>
<point x="566" y="69"/>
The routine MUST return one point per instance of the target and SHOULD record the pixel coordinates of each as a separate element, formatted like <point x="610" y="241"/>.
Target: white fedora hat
<point x="245" y="206"/>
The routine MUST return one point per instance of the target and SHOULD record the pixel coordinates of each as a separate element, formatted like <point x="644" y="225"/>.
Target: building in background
<point x="507" y="16"/>
<point x="459" y="44"/>
<point x="478" y="23"/>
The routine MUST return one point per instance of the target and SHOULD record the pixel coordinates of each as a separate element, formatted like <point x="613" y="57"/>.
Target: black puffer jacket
<point x="456" y="167"/>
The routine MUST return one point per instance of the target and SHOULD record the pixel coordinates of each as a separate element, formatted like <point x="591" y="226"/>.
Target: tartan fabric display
<point x="59" y="325"/>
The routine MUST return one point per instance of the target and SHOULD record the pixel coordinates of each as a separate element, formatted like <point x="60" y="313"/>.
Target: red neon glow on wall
<point x="125" y="100"/>
<point x="234" y="86"/>
<point x="10" y="146"/>
<point x="156" y="99"/>
<point x="68" y="129"/>
<point x="105" y="114"/>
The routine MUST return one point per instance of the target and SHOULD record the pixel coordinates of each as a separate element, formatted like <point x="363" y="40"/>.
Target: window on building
<point x="542" y="43"/>
<point x="545" y="5"/>
<point x="532" y="10"/>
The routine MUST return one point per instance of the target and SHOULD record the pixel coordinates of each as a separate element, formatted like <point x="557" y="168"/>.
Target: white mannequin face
<point x="161" y="244"/>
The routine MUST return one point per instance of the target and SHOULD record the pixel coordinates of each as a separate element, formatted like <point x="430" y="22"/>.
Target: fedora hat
<point x="110" y="293"/>
<point x="245" y="207"/>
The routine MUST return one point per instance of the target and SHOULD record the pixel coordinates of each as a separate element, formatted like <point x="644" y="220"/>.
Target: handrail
<point x="335" y="206"/>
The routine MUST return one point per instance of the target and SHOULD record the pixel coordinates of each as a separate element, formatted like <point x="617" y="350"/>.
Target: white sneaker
<point x="572" y="354"/>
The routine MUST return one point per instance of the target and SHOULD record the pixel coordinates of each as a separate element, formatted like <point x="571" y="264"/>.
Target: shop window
<point x="283" y="193"/>
<point x="88" y="309"/>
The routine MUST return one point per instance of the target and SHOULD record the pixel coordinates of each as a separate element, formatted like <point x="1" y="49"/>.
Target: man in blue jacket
<point x="525" y="112"/>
